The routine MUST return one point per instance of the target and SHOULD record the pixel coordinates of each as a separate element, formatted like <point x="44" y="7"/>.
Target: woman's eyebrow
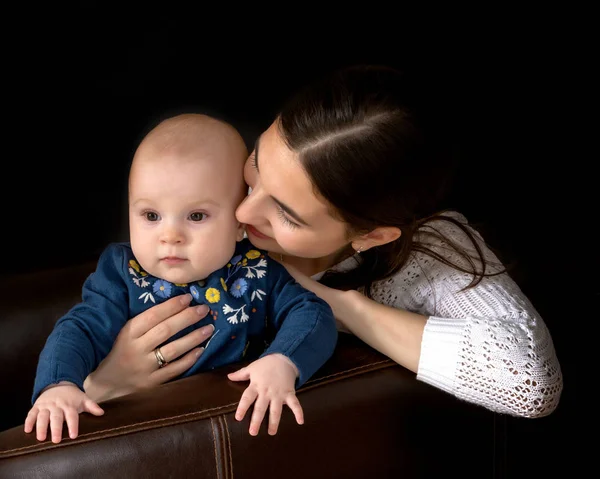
<point x="283" y="206"/>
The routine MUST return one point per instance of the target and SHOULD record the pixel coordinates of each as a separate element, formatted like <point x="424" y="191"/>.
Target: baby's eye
<point x="151" y="216"/>
<point x="197" y="216"/>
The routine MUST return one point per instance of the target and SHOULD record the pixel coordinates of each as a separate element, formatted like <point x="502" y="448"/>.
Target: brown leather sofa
<point x="365" y="417"/>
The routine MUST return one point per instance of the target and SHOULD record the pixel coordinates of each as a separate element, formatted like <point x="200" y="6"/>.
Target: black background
<point x="82" y="86"/>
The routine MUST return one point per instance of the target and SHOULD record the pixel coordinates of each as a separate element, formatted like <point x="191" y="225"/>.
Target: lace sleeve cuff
<point x="439" y="352"/>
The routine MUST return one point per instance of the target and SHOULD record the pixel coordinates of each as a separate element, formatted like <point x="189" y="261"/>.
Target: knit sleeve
<point x="493" y="350"/>
<point x="487" y="345"/>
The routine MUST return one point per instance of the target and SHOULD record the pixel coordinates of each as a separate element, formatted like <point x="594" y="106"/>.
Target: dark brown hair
<point x="371" y="155"/>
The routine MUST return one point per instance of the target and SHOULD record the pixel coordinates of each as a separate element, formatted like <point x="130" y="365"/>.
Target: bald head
<point x="190" y="137"/>
<point x="185" y="184"/>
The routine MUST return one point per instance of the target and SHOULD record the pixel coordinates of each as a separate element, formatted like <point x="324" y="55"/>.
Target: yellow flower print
<point x="223" y="285"/>
<point x="252" y="254"/>
<point x="134" y="264"/>
<point x="212" y="295"/>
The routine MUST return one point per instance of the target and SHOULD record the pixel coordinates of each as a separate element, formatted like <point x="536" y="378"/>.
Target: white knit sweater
<point x="486" y="345"/>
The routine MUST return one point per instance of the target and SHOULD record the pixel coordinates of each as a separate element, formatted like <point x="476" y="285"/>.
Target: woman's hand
<point x="332" y="296"/>
<point x="397" y="333"/>
<point x="132" y="364"/>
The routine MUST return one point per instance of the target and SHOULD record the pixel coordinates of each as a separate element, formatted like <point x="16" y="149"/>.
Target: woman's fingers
<point x="170" y="326"/>
<point x="174" y="349"/>
<point x="174" y="369"/>
<point x="147" y="320"/>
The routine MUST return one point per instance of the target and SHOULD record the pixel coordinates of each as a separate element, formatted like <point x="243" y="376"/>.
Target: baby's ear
<point x="241" y="232"/>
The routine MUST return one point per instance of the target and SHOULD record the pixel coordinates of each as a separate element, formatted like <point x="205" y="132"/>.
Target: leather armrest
<point x="364" y="416"/>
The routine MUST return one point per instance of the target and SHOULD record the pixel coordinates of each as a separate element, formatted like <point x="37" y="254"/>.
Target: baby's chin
<point x="180" y="278"/>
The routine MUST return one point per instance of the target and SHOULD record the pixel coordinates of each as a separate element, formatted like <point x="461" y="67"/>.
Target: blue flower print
<point x="239" y="287"/>
<point x="162" y="288"/>
<point x="235" y="259"/>
<point x="195" y="292"/>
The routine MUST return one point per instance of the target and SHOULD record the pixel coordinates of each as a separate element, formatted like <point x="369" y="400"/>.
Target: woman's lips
<point x="253" y="231"/>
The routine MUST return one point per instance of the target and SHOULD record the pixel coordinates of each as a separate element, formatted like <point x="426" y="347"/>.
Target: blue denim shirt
<point x="257" y="308"/>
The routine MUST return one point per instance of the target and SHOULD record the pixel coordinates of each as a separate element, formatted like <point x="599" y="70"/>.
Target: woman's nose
<point x="249" y="210"/>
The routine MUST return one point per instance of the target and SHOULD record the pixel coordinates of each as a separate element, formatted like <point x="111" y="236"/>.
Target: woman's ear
<point x="377" y="237"/>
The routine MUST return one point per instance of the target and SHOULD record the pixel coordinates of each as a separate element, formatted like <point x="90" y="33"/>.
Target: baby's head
<point x="185" y="183"/>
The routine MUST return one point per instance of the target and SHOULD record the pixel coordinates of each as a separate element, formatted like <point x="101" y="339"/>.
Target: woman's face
<point x="282" y="212"/>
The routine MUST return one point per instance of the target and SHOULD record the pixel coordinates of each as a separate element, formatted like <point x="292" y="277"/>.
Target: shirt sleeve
<point x="486" y="344"/>
<point x="84" y="336"/>
<point x="305" y="325"/>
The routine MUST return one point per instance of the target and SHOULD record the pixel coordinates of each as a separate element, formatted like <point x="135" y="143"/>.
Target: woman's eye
<point x="285" y="220"/>
<point x="197" y="216"/>
<point x="151" y="216"/>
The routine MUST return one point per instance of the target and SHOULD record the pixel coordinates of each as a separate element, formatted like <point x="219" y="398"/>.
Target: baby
<point x="185" y="183"/>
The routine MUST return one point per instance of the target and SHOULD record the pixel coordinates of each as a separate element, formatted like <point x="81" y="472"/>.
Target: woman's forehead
<point x="284" y="178"/>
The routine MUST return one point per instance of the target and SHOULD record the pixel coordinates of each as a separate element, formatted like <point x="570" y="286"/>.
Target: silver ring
<point x="160" y="359"/>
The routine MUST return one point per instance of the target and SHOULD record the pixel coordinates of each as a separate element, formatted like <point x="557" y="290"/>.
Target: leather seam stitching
<point x="228" y="447"/>
<point x="214" y="439"/>
<point x="131" y="426"/>
<point x="311" y="381"/>
<point x="107" y="432"/>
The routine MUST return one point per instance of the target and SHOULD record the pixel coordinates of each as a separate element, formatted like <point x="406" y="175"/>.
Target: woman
<point x="346" y="191"/>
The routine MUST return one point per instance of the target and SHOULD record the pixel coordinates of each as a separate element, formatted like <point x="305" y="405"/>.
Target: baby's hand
<point x="57" y="404"/>
<point x="272" y="379"/>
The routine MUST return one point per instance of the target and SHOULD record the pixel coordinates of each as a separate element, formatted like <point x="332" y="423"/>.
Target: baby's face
<point x="182" y="214"/>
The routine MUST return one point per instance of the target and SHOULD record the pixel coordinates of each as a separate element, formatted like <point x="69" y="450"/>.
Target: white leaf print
<point x="257" y="293"/>
<point x="244" y="317"/>
<point x="234" y="319"/>
<point x="262" y="262"/>
<point x="249" y="273"/>
<point x="227" y="309"/>
<point x="260" y="273"/>
<point x="147" y="296"/>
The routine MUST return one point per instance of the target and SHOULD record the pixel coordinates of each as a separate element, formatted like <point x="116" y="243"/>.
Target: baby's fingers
<point x="72" y="420"/>
<point x="41" y="426"/>
<point x="246" y="401"/>
<point x="274" y="416"/>
<point x="57" y="419"/>
<point x="294" y="405"/>
<point x="30" y="419"/>
<point x="260" y="408"/>
<point x="92" y="407"/>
